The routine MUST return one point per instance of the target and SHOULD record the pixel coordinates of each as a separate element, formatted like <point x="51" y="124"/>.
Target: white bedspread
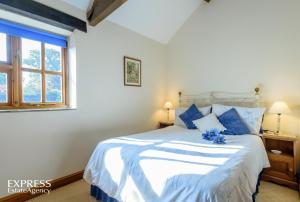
<point x="176" y="164"/>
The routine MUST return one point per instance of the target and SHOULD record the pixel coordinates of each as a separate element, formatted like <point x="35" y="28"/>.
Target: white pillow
<point x="208" y="122"/>
<point x="178" y="111"/>
<point x="251" y="116"/>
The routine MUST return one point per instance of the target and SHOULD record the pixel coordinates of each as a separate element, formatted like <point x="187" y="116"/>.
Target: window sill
<point x="36" y="110"/>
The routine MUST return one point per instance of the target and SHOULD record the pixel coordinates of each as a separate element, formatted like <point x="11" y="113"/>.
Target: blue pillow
<point x="190" y="115"/>
<point x="233" y="123"/>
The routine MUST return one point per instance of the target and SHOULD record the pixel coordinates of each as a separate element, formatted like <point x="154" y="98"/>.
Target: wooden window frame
<point x="7" y="67"/>
<point x="14" y="71"/>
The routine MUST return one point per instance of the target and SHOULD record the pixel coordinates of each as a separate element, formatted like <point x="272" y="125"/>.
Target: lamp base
<point x="278" y="124"/>
<point x="168" y="118"/>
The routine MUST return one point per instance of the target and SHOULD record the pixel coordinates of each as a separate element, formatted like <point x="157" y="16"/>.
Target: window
<point x="5" y="70"/>
<point x="3" y="50"/>
<point x="32" y="73"/>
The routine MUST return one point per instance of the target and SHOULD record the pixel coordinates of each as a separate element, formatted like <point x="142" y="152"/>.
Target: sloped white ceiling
<point x="155" y="19"/>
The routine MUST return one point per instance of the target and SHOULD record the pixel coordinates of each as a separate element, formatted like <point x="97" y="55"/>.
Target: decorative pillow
<point x="252" y="117"/>
<point x="178" y="111"/>
<point x="190" y="115"/>
<point x="208" y="123"/>
<point x="233" y="123"/>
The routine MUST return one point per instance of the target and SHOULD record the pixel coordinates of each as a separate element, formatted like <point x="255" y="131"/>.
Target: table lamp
<point x="279" y="108"/>
<point x="168" y="105"/>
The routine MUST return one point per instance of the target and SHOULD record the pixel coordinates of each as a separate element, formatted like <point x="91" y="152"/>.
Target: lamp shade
<point x="280" y="107"/>
<point x="168" y="105"/>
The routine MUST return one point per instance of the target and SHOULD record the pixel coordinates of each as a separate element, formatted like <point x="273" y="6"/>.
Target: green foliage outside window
<point x="32" y="81"/>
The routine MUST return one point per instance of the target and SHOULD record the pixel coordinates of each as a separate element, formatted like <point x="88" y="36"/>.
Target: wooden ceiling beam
<point x="101" y="9"/>
<point x="43" y="13"/>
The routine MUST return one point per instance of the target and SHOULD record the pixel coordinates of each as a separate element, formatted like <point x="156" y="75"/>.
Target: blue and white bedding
<point x="176" y="164"/>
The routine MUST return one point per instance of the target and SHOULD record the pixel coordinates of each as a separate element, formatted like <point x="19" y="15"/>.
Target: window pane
<point x="31" y="54"/>
<point x="3" y="49"/>
<point x="53" y="88"/>
<point x="3" y="88"/>
<point x="53" y="58"/>
<point x="32" y="87"/>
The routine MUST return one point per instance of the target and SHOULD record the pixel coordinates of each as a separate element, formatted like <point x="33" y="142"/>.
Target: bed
<point x="175" y="164"/>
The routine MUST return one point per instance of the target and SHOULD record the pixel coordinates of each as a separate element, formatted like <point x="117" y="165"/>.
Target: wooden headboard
<point x="245" y="99"/>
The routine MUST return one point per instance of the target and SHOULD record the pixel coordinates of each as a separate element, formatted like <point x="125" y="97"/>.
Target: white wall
<point x="234" y="45"/>
<point x="48" y="145"/>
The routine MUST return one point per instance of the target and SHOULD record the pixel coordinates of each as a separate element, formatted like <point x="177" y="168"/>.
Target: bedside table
<point x="284" y="166"/>
<point x="163" y="124"/>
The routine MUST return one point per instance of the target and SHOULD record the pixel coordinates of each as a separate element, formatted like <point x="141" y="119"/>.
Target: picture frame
<point x="132" y="72"/>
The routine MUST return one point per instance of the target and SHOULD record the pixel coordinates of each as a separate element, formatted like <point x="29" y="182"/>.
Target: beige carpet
<point x="79" y="192"/>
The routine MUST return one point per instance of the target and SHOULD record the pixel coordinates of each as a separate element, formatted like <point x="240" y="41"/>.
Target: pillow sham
<point x="191" y="114"/>
<point x="252" y="117"/>
<point x="233" y="123"/>
<point x="178" y="122"/>
<point x="208" y="123"/>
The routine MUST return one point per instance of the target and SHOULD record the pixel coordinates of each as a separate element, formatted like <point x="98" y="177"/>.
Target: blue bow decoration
<point x="215" y="136"/>
<point x="219" y="139"/>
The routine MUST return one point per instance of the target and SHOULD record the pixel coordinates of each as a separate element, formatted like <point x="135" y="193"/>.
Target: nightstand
<point x="163" y="124"/>
<point x="284" y="166"/>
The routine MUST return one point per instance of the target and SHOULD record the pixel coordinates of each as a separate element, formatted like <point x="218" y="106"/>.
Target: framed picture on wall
<point x="132" y="72"/>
